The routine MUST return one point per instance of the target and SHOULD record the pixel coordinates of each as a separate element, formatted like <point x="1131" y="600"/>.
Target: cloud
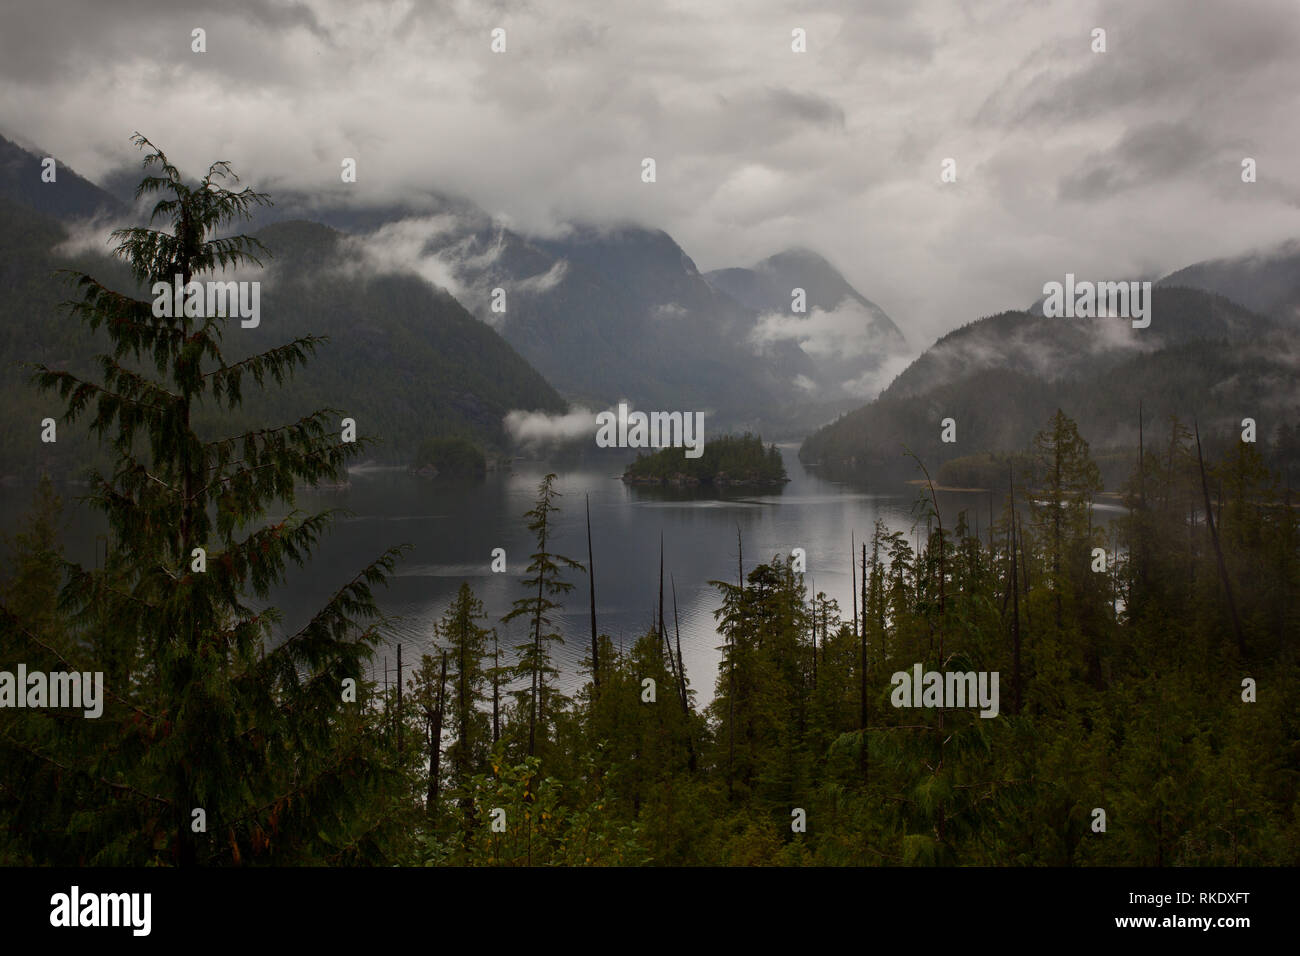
<point x="406" y="246"/>
<point x="542" y="282"/>
<point x="1152" y="153"/>
<point x="531" y="428"/>
<point x="845" y="332"/>
<point x="1108" y="164"/>
<point x="447" y="250"/>
<point x="874" y="381"/>
<point x="89" y="236"/>
<point x="668" y="310"/>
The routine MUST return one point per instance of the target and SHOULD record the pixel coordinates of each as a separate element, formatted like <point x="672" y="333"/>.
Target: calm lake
<point x="452" y="531"/>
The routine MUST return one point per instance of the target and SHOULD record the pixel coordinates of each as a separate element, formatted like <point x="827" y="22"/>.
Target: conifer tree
<point x="466" y="644"/>
<point x="545" y="568"/>
<point x="34" y="743"/>
<point x="1068" y="479"/>
<point x="215" y="710"/>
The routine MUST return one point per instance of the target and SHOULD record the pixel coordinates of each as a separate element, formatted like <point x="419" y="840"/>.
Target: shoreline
<point x="922" y="483"/>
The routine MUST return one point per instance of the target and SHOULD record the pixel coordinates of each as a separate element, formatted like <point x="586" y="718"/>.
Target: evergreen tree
<point x="429" y="699"/>
<point x="538" y="701"/>
<point x="31" y="588"/>
<point x="1068" y="480"/>
<point x="230" y="740"/>
<point x="467" y="680"/>
<point x="35" y="801"/>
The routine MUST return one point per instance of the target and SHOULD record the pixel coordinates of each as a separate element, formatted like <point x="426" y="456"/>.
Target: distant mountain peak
<point x="795" y="255"/>
<point x="69" y="197"/>
<point x="1265" y="280"/>
<point x="768" y="285"/>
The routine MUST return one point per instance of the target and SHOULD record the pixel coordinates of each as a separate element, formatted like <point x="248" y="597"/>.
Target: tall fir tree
<point x="539" y="699"/>
<point x="234" y="741"/>
<point x="467" y="685"/>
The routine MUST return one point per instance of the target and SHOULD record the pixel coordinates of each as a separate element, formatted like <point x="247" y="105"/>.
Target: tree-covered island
<point x="731" y="460"/>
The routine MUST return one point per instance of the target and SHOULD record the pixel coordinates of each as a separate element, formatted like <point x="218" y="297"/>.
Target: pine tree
<point x="429" y="700"/>
<point x="31" y="588"/>
<point x="215" y="710"/>
<point x="35" y="744"/>
<point x="764" y="686"/>
<point x="1068" y="479"/>
<point x="539" y="699"/>
<point x="466" y="644"/>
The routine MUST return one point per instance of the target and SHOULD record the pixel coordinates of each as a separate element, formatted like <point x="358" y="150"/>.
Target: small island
<point x="456" y="458"/>
<point x="728" y="461"/>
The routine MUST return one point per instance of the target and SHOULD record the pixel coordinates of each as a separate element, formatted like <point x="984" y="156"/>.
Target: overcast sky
<point x="1109" y="165"/>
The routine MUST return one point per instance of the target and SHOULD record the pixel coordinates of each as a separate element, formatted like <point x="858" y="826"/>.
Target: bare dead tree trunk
<point x="1140" y="577"/>
<point x="1024" y="566"/>
<point x="812" y="587"/>
<point x="740" y="560"/>
<point x="990" y="525"/>
<point x="1142" y="475"/>
<point x="862" y="642"/>
<point x="435" y="740"/>
<point x="1218" y="551"/>
<point x="934" y="502"/>
<point x="731" y="677"/>
<point x="1015" y="602"/>
<point x="537" y="658"/>
<point x="1057" y="507"/>
<point x="591" y="577"/>
<point x="681" y="685"/>
<point x="463" y="707"/>
<point x="660" y="625"/>
<point x="853" y="577"/>
<point x="496" y="689"/>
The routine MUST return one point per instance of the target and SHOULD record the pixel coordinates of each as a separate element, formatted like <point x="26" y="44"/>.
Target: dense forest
<point x="725" y="460"/>
<point x="1148" y="710"/>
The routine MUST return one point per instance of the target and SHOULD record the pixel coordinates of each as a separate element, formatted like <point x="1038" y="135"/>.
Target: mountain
<point x="616" y="312"/>
<point x="652" y="330"/>
<point x="607" y="314"/>
<point x="69" y="197"/>
<point x="604" y="313"/>
<point x="1064" y="348"/>
<point x="767" y="286"/>
<point x="851" y="344"/>
<point x="404" y="359"/>
<point x="622" y="312"/>
<point x="406" y="356"/>
<point x="1000" y="378"/>
<point x="1267" y="282"/>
